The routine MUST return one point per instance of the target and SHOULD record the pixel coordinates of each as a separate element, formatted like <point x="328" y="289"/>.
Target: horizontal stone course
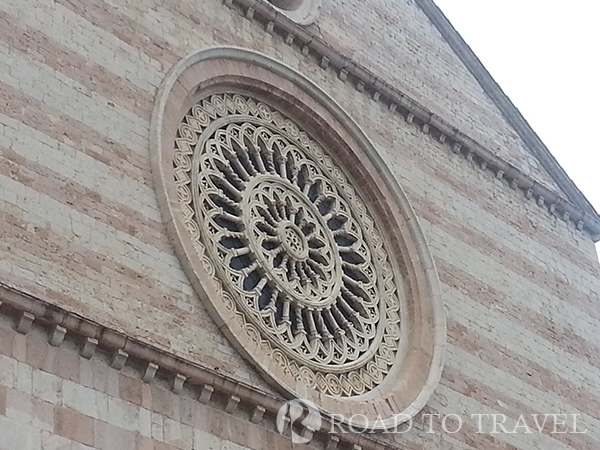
<point x="142" y="420"/>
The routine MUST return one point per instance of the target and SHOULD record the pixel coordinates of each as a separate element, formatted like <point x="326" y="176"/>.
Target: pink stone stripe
<point x="483" y="293"/>
<point x="99" y="79"/>
<point x="504" y="404"/>
<point x="83" y="199"/>
<point x="108" y="17"/>
<point x="510" y="362"/>
<point x="515" y="217"/>
<point x="123" y="284"/>
<point x="69" y="131"/>
<point x="514" y="261"/>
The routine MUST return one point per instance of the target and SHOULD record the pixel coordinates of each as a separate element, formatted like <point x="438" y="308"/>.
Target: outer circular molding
<point x="303" y="12"/>
<point x="296" y="236"/>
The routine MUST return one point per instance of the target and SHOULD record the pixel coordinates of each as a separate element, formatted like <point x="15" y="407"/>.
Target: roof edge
<point x="578" y="210"/>
<point x="510" y="112"/>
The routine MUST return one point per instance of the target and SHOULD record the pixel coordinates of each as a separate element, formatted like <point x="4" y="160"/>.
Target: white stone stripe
<point x="205" y="440"/>
<point x="516" y="289"/>
<point x="51" y="441"/>
<point x="466" y="406"/>
<point x="78" y="167"/>
<point x="501" y="329"/>
<point x="8" y="370"/>
<point x="63" y="94"/>
<point x="154" y="16"/>
<point x="541" y="402"/>
<point x="534" y="299"/>
<point x="16" y="435"/>
<point x="91" y="42"/>
<point x="466" y="211"/>
<point x="96" y="236"/>
<point x="24" y="266"/>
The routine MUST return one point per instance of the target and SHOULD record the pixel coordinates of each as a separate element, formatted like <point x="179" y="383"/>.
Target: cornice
<point x="502" y="101"/>
<point x="208" y="385"/>
<point x="575" y="209"/>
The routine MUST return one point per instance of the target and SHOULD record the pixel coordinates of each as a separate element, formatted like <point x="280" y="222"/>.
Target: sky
<point x="545" y="55"/>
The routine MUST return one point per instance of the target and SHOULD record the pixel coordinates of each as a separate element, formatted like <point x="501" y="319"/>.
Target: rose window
<point x="296" y="237"/>
<point x="298" y="250"/>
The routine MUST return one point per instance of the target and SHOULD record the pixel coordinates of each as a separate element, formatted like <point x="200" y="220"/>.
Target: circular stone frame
<point x="303" y="12"/>
<point x="417" y="368"/>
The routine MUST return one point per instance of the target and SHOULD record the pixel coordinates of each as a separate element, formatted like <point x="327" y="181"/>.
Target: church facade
<point x="283" y="224"/>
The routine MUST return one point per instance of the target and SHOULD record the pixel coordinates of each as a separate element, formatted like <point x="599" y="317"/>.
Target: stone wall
<point x="81" y="227"/>
<point x="52" y="398"/>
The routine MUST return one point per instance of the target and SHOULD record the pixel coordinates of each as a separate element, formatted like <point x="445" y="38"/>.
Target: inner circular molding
<point x="303" y="12"/>
<point x="296" y="236"/>
<point x="293" y="246"/>
<point x="288" y="5"/>
<point x="292" y="241"/>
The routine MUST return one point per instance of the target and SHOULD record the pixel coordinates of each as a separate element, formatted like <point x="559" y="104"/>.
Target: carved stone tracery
<point x="291" y="241"/>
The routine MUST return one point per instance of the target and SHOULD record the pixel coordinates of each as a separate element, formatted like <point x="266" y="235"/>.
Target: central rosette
<point x="291" y="239"/>
<point x="294" y="241"/>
